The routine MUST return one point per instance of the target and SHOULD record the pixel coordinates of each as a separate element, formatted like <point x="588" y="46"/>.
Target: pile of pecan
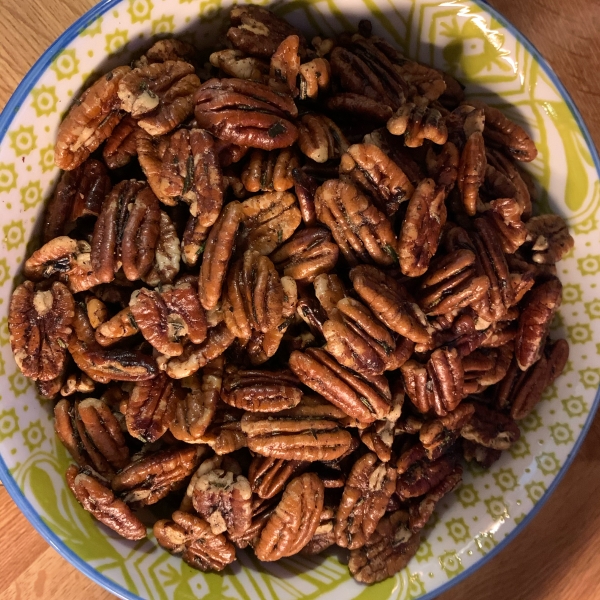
<point x="286" y="293"/>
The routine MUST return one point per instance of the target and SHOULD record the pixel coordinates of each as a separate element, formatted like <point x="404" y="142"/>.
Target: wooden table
<point x="556" y="556"/>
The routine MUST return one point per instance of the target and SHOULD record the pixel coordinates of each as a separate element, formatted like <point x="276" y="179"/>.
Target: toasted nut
<point x="418" y="123"/>
<point x="491" y="428"/>
<point x="236" y="64"/>
<point x="285" y="65"/>
<point x="550" y="237"/>
<point x="268" y="476"/>
<point x="120" y="326"/>
<point x="270" y="171"/>
<point x="471" y="171"/>
<point x="320" y="138"/>
<point x="314" y="77"/>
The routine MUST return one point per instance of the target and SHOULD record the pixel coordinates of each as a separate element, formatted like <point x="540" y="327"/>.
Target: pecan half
<point x="550" y="237"/>
<point x="268" y="476"/>
<point x="121" y="146"/>
<point x="505" y="214"/>
<point x="167" y="254"/>
<point x="99" y="500"/>
<point x="236" y="63"/>
<point x="324" y="536"/>
<point x="417" y="123"/>
<point x="315" y="77"/>
<point x="150" y="151"/>
<point x="471" y="171"/>
<point x="320" y="138"/>
<point x="285" y="65"/>
<point x="270" y="171"/>
<point x="442" y="166"/>
<point x="438" y="435"/>
<point x="358" y="106"/>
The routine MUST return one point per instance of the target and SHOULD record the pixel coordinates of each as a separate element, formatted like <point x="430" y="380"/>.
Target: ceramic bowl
<point x="500" y="66"/>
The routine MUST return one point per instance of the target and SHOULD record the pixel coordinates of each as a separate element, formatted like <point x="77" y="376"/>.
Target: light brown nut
<point x="253" y="300"/>
<point x="315" y="77"/>
<point x="501" y="132"/>
<point x="417" y="123"/>
<point x="268" y="476"/>
<point x="294" y="521"/>
<point x="379" y="436"/>
<point x="236" y="63"/>
<point x="192" y="537"/>
<point x="150" y="151"/>
<point x="97" y="312"/>
<point x="308" y="253"/>
<point x="366" y="399"/>
<point x="98" y="500"/>
<point x="246" y="113"/>
<point x="193" y="241"/>
<point x="368" y="490"/>
<point x="550" y="237"/>
<point x="310" y="431"/>
<point x="153" y="476"/>
<point x="359" y="106"/>
<point x="77" y="383"/>
<point x="159" y="95"/>
<point x="191" y="172"/>
<point x="120" y="326"/>
<point x="438" y="385"/>
<point x="79" y="193"/>
<point x="390" y="303"/>
<point x="491" y="428"/>
<point x="261" y="512"/>
<point x="257" y="31"/>
<point x="362" y="232"/>
<point x="421" y="229"/>
<point x="471" y="171"/>
<point x="329" y="290"/>
<point x="285" y="65"/>
<point x="121" y="146"/>
<point x="442" y="167"/>
<point x="538" y="310"/>
<point x="195" y="357"/>
<point x="370" y="168"/>
<point x="90" y="120"/>
<point x="167" y="254"/>
<point x="196" y="404"/>
<point x="270" y="171"/>
<point x="438" y="435"/>
<point x="320" y="138"/>
<point x="386" y="552"/>
<point x="261" y="391"/>
<point x="269" y="220"/>
<point x="40" y="324"/>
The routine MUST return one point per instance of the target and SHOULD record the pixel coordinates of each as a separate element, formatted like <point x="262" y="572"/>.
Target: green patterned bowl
<point x="480" y="48"/>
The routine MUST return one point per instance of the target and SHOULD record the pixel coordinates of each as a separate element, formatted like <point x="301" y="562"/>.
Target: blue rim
<point x="6" y="118"/>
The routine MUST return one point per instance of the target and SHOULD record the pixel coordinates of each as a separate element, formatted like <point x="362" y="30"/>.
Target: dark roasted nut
<point x="79" y="193"/>
<point x="193" y="242"/>
<point x="159" y="95"/>
<point x="191" y="172"/>
<point x="218" y="250"/>
<point x="121" y="146"/>
<point x="315" y="76"/>
<point x="150" y="478"/>
<point x="257" y="31"/>
<point x="550" y="237"/>
<point x="270" y="171"/>
<point x="485" y="367"/>
<point x="120" y="326"/>
<point x="390" y="303"/>
<point x="370" y="168"/>
<point x="269" y="220"/>
<point x="538" y="309"/>
<point x="294" y="521"/>
<point x="268" y="476"/>
<point x="40" y="325"/>
<point x="429" y="82"/>
<point x="359" y="106"/>
<point x="501" y="132"/>
<point x="237" y="64"/>
<point x="442" y="167"/>
<point x="368" y="490"/>
<point x="310" y="431"/>
<point x="320" y="138"/>
<point x="99" y="500"/>
<point x="505" y="214"/>
<point x="168" y="49"/>
<point x="436" y="386"/>
<point x="261" y="512"/>
<point x="363" y="233"/>
<point x="421" y="512"/>
<point x="261" y="391"/>
<point x="417" y="475"/>
<point x="150" y="151"/>
<point x="486" y="457"/>
<point x="308" y="253"/>
<point x="421" y="229"/>
<point x="246" y="113"/>
<point x="167" y="254"/>
<point x="504" y="165"/>
<point x="192" y="537"/>
<point x="386" y="552"/>
<point x="285" y="65"/>
<point x="90" y="121"/>
<point x="438" y="435"/>
<point x="491" y="428"/>
<point x="366" y="399"/>
<point x="471" y="171"/>
<point x="418" y="122"/>
<point x="324" y="537"/>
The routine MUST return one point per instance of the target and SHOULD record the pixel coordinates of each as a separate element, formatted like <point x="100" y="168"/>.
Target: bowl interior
<point x="499" y="67"/>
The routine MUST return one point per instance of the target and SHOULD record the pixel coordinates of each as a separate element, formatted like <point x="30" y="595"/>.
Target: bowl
<point x="473" y="43"/>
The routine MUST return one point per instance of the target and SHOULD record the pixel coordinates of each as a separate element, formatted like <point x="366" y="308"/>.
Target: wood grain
<point x="555" y="557"/>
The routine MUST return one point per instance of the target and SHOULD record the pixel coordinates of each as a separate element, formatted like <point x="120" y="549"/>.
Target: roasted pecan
<point x="436" y="386"/>
<point x="77" y="383"/>
<point x="491" y="428"/>
<point x="168" y="49"/>
<point x="151" y="477"/>
<point x="192" y="537"/>
<point x="442" y="166"/>
<point x="471" y="171"/>
<point x="167" y="254"/>
<point x="429" y="82"/>
<point x="79" y="193"/>
<point x="97" y="313"/>
<point x="370" y="168"/>
<point x="363" y="233"/>
<point x="320" y="138"/>
<point x="379" y="436"/>
<point x="294" y="521"/>
<point x="418" y="122"/>
<point x="486" y="457"/>
<point x="159" y="95"/>
<point x="310" y="431"/>
<point x="40" y="324"/>
<point x="439" y="434"/>
<point x="485" y="367"/>
<point x="268" y="476"/>
<point x="358" y="106"/>
<point x="193" y="241"/>
<point x="90" y="120"/>
<point x="329" y="290"/>
<point x="270" y="171"/>
<point x="324" y="537"/>
<point x="390" y="303"/>
<point x="191" y="172"/>
<point x="99" y="500"/>
<point x="421" y="228"/>
<point x="120" y="326"/>
<point x="308" y="253"/>
<point x="368" y="490"/>
<point x="236" y="63"/>
<point x="538" y="309"/>
<point x="151" y="151"/>
<point x="550" y="237"/>
<point x="522" y="193"/>
<point x="246" y="113"/>
<point x="285" y="65"/>
<point x="315" y="76"/>
<point x="121" y="146"/>
<point x="505" y="214"/>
